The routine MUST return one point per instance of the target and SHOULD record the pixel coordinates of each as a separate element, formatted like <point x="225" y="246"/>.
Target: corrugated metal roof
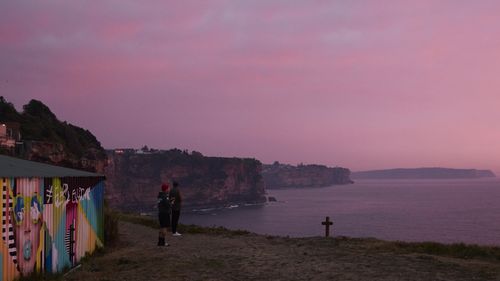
<point x="14" y="167"/>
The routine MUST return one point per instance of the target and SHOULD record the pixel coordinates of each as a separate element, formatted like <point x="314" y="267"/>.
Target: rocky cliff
<point x="133" y="180"/>
<point x="54" y="153"/>
<point x="284" y="176"/>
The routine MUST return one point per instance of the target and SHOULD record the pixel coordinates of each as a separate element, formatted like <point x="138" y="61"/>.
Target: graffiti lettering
<point x="64" y="195"/>
<point x="48" y="194"/>
<point x="66" y="191"/>
<point x="73" y="196"/>
<point x="79" y="194"/>
<point x="60" y="196"/>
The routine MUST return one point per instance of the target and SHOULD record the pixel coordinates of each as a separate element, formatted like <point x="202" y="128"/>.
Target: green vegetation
<point x="191" y="229"/>
<point x="195" y="229"/>
<point x="38" y="123"/>
<point x="455" y="250"/>
<point x="111" y="235"/>
<point x="8" y="112"/>
<point x="142" y="220"/>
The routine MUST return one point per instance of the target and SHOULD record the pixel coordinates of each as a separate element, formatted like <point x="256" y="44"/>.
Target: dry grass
<point x="221" y="254"/>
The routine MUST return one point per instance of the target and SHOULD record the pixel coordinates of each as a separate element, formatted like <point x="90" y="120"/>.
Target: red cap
<point x="164" y="187"/>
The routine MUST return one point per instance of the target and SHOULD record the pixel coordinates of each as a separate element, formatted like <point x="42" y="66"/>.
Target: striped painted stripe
<point x="7" y="229"/>
<point x="4" y="209"/>
<point x="66" y="241"/>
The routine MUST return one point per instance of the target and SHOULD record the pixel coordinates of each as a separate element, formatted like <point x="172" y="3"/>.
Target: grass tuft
<point x="456" y="250"/>
<point x="191" y="229"/>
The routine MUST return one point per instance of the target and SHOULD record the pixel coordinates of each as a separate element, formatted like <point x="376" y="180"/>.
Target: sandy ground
<point x="255" y="257"/>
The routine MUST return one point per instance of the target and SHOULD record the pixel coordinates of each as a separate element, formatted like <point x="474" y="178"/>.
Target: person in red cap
<point x="164" y="209"/>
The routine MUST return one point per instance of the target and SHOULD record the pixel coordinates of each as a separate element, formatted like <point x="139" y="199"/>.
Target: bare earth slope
<point x="255" y="257"/>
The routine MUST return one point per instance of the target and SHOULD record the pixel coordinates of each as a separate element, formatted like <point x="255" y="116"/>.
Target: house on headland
<point x="10" y="134"/>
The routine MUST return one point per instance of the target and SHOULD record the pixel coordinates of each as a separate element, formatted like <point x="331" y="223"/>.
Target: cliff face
<point x="133" y="180"/>
<point x="285" y="176"/>
<point x="55" y="153"/>
<point x="424" y="173"/>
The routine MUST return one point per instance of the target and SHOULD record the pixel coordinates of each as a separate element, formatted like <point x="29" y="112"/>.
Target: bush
<point x="191" y="229"/>
<point x="111" y="236"/>
<point x="457" y="250"/>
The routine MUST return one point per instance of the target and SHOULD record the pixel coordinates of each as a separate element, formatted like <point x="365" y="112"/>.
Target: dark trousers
<point x="175" y="220"/>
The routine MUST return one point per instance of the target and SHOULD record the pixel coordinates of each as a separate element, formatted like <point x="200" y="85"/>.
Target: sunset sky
<point x="358" y="84"/>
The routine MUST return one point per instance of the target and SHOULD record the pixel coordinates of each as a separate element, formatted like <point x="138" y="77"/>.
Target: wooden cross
<point x="327" y="224"/>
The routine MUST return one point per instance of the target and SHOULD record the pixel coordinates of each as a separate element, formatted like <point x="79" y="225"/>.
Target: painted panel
<point x="49" y="224"/>
<point x="8" y="243"/>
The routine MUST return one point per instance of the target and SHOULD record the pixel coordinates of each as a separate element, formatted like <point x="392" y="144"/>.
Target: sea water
<point x="409" y="210"/>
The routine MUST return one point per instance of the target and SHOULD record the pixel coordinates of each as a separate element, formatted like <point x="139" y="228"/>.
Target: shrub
<point x="111" y="236"/>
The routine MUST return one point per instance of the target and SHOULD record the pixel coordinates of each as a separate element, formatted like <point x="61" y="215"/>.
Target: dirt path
<point x="254" y="257"/>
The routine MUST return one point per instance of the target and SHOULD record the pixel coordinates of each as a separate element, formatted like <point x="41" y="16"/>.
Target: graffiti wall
<point x="49" y="224"/>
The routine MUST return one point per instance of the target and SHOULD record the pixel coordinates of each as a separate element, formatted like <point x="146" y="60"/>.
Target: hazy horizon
<point x="362" y="85"/>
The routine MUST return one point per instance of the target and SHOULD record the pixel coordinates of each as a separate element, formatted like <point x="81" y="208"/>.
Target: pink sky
<point x="359" y="84"/>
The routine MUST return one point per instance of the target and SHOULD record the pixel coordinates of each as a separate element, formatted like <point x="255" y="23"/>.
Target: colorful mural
<point x="49" y="224"/>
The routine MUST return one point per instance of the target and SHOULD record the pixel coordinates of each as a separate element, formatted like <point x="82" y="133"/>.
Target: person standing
<point x="176" y="198"/>
<point x="164" y="209"/>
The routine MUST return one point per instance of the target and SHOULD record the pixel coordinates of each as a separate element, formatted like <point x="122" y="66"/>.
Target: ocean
<point x="444" y="211"/>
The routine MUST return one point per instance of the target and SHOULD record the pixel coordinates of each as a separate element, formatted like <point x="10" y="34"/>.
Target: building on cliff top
<point x="51" y="217"/>
<point x="9" y="134"/>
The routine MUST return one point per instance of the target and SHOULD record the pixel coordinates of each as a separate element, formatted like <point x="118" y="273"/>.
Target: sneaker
<point x="176" y="234"/>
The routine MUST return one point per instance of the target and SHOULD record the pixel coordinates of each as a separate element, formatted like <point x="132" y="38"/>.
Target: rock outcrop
<point x="54" y="153"/>
<point x="285" y="176"/>
<point x="134" y="179"/>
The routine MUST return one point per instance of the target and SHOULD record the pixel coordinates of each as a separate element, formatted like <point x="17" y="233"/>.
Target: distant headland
<point x="280" y="175"/>
<point x="424" y="173"/>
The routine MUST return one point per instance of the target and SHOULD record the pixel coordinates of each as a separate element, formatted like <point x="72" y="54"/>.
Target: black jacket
<point x="176" y="196"/>
<point x="164" y="205"/>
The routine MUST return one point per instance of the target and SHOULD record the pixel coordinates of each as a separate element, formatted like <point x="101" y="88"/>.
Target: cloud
<point x="253" y="76"/>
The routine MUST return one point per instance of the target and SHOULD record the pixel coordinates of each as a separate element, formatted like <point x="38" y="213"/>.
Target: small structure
<point x="9" y="134"/>
<point x="51" y="217"/>
<point x="327" y="224"/>
<point x="3" y="130"/>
